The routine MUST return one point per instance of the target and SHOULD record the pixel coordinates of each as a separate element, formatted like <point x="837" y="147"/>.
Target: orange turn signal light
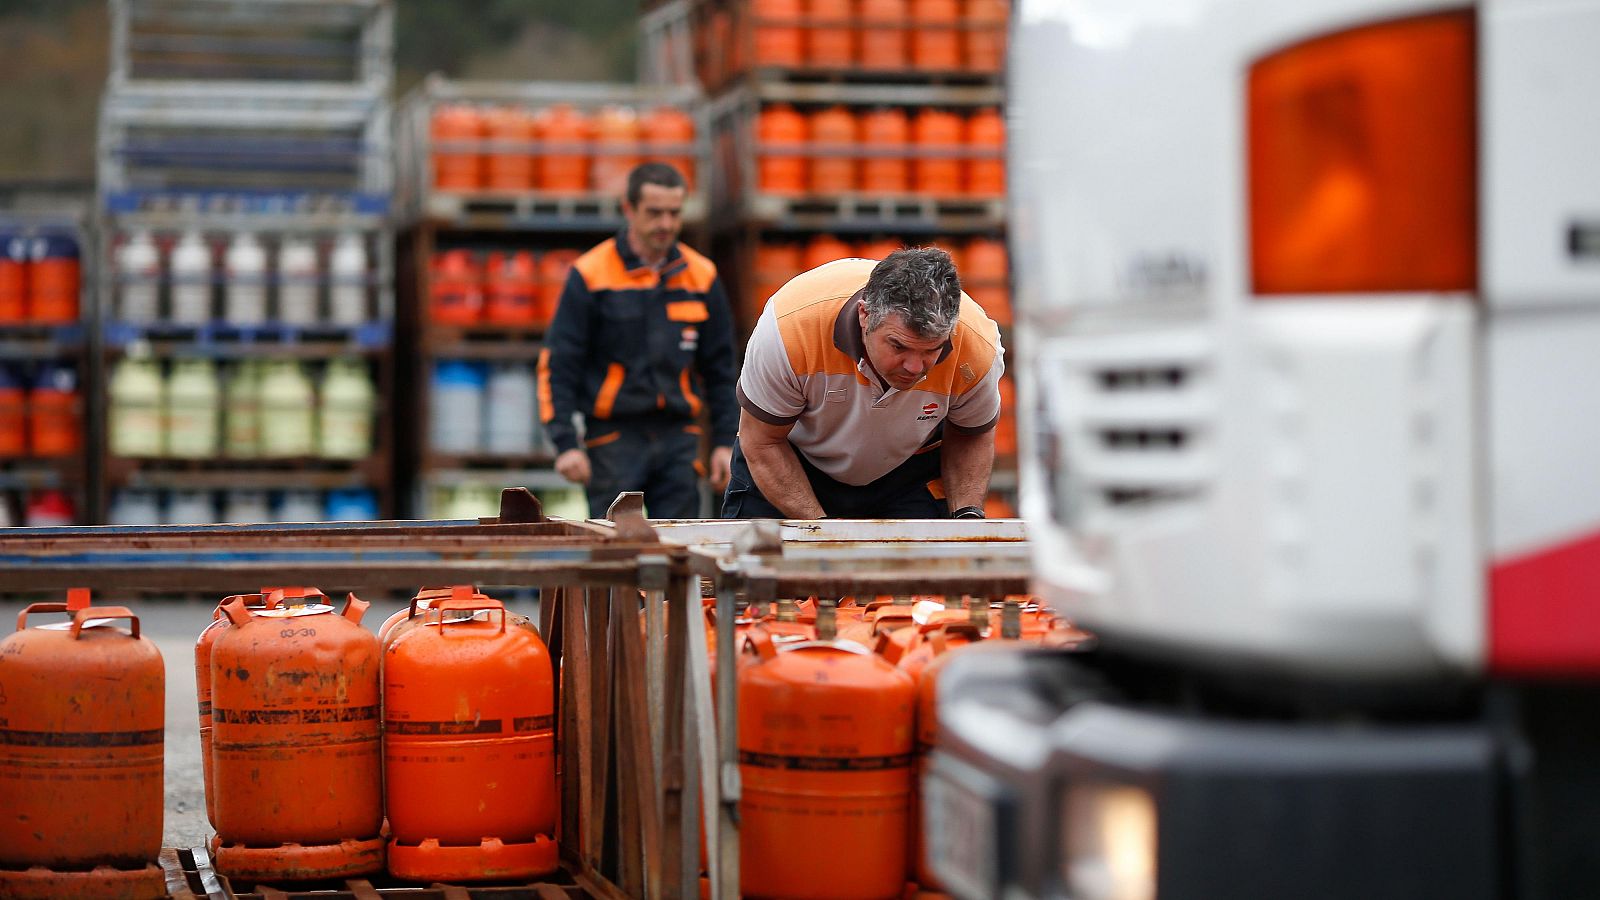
<point x="1363" y="160"/>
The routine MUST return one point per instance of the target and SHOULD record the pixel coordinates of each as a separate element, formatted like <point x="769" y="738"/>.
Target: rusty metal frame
<point x="641" y="730"/>
<point x="763" y="561"/>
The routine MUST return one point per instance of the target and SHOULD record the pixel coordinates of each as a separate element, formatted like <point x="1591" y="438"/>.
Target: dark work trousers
<point x="655" y="457"/>
<point x="903" y="493"/>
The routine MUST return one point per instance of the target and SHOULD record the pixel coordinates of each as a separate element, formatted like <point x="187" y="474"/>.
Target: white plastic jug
<point x="138" y="265"/>
<point x="510" y="412"/>
<point x="297" y="281"/>
<point x="135" y="415"/>
<point x="135" y="507"/>
<point x="456" y="407"/>
<point x="288" y="411"/>
<point x="299" y="506"/>
<point x="241" y="411"/>
<point x="245" y="506"/>
<point x="194" y="410"/>
<point x="244" y="295"/>
<point x="347" y="276"/>
<point x="190" y="270"/>
<point x="191" y="508"/>
<point x="345" y="429"/>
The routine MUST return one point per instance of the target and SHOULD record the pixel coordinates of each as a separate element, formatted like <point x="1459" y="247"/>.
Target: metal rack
<point x="72" y="344"/>
<point x="636" y="714"/>
<point x="482" y="221"/>
<point x="264" y="40"/>
<point x="266" y="117"/>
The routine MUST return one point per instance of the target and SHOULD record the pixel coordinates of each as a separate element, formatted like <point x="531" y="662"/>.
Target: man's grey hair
<point x="921" y="285"/>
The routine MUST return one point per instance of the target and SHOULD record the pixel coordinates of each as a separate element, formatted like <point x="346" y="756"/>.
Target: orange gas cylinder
<point x="563" y="163"/>
<point x="936" y="39"/>
<point x="455" y="288"/>
<point x="54" y="280"/>
<point x="668" y="135"/>
<point x="885" y="132"/>
<point x="509" y="164"/>
<point x="833" y="147"/>
<point x="998" y="507"/>
<point x="511" y="288"/>
<point x="265" y="599"/>
<point x="776" y="27"/>
<point x="928" y="663"/>
<point x="295" y="743"/>
<point x="830" y="42"/>
<point x="780" y="159"/>
<point x="456" y="132"/>
<point x="423" y="601"/>
<point x="13" y="279"/>
<point x="1005" y="431"/>
<point x="81" y="755"/>
<point x="879" y="248"/>
<point x="775" y="264"/>
<point x="824" y="248"/>
<point x="984" y="41"/>
<point x="985" y="276"/>
<point x="55" y="422"/>
<point x="469" y="747"/>
<point x="882" y="616"/>
<point x="825" y="741"/>
<point x="616" y="148"/>
<point x="13" y="414"/>
<point x="986" y="141"/>
<point x="937" y="170"/>
<point x="554" y="265"/>
<point x="882" y="39"/>
<point x="422" y="610"/>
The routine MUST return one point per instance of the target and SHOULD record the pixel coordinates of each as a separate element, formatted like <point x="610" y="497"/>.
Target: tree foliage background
<point x="54" y="57"/>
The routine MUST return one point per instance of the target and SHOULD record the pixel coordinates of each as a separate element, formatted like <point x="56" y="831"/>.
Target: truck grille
<point x="1134" y="420"/>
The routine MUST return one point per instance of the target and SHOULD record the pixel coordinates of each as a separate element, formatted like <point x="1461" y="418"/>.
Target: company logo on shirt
<point x="929" y="410"/>
<point x="689" y="339"/>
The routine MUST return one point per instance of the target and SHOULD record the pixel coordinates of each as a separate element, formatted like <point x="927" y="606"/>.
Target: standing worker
<point x="869" y="390"/>
<point x="641" y="334"/>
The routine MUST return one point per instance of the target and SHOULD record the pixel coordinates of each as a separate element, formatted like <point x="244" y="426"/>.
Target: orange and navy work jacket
<point x="634" y="344"/>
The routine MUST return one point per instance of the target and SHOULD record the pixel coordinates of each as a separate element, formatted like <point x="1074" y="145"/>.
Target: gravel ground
<point x="174" y="625"/>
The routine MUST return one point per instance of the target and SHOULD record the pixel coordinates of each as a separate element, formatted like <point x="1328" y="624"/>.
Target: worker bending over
<point x="869" y="390"/>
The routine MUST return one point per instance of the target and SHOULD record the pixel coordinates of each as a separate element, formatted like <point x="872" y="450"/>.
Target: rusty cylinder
<point x="267" y="598"/>
<point x="295" y="743"/>
<point x="82" y="724"/>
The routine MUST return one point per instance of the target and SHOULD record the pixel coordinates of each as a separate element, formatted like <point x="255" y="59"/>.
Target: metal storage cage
<point x="348" y="41"/>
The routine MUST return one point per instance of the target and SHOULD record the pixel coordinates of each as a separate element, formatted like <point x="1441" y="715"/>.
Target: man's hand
<point x="721" y="467"/>
<point x="573" y="465"/>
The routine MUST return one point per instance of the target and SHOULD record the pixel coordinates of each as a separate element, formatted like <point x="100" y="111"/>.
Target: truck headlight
<point x="1108" y="835"/>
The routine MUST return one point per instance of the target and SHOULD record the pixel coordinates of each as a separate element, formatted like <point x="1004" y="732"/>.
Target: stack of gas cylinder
<point x="81" y="755"/>
<point x="427" y="749"/>
<point x="836" y="714"/>
<point x="556" y="149"/>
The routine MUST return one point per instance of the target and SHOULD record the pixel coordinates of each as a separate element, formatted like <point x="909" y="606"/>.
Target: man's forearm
<point x="966" y="461"/>
<point x="778" y="475"/>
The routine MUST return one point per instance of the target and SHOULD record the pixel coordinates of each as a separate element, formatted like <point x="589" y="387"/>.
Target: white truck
<point x="1309" y="342"/>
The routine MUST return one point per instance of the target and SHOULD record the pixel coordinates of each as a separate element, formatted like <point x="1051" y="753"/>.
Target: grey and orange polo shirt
<point x="806" y="365"/>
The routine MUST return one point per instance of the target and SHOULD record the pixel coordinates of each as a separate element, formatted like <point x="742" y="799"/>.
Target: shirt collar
<point x="633" y="263"/>
<point x="848" y="338"/>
